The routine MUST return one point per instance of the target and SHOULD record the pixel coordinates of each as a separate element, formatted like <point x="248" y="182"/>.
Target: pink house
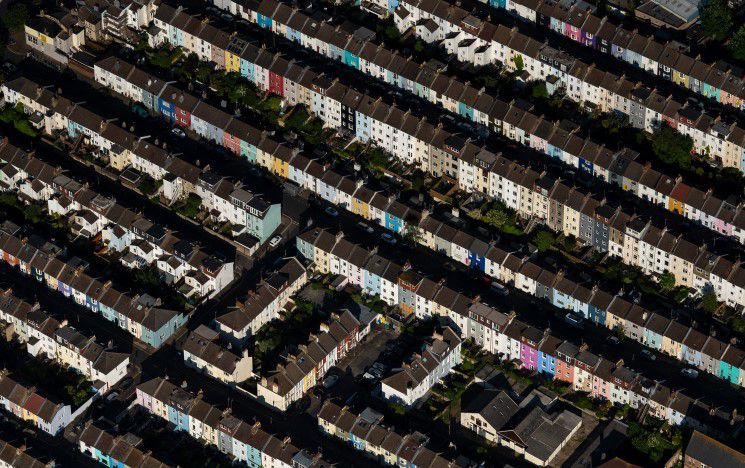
<point x="601" y="381"/>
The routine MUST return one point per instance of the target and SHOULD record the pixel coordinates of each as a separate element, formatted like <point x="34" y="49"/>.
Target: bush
<point x="649" y="442"/>
<point x="716" y="19"/>
<point x="544" y="240"/>
<point x="191" y="208"/>
<point x="709" y="302"/>
<point x="16" y="16"/>
<point x="672" y="148"/>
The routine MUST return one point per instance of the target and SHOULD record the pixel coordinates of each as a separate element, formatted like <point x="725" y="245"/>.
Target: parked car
<point x="689" y="373"/>
<point x="647" y="354"/>
<point x="613" y="339"/>
<point x="330" y="381"/>
<point x="388" y="238"/>
<point x="274" y="241"/>
<point x="574" y="320"/>
<point x="178" y="132"/>
<point x="331" y="212"/>
<point x="366" y="227"/>
<point x="499" y="289"/>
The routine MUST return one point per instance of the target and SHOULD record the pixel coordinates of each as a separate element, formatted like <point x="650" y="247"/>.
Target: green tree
<point x="716" y="20"/>
<point x="518" y="61"/>
<point x="671" y="147"/>
<point x="495" y="217"/>
<point x="540" y="91"/>
<point x="737" y="44"/>
<point x="419" y="46"/>
<point x="709" y="302"/>
<point x="667" y="281"/>
<point x="544" y="240"/>
<point x="15" y="17"/>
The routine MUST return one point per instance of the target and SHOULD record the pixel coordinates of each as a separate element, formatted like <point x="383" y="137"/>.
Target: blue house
<point x="247" y="70"/>
<point x="597" y="307"/>
<point x="465" y="111"/>
<point x="393" y="222"/>
<point x="263" y="21"/>
<point x="293" y="35"/>
<point x="585" y="166"/>
<point x="335" y="52"/>
<point x="167" y="109"/>
<point x="351" y="59"/>
<point x="547" y="355"/>
<point x="653" y="331"/>
<point x="305" y="248"/>
<point x="363" y="126"/>
<point x="159" y="324"/>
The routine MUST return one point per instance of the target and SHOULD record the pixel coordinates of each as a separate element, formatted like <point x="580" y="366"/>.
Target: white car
<point x="274" y="241"/>
<point x="574" y="320"/>
<point x="178" y="132"/>
<point x="689" y="373"/>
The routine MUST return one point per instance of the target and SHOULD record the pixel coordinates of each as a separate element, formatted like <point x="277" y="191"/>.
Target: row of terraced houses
<point x="480" y="43"/>
<point x="142" y="242"/>
<point x="508" y="337"/>
<point x="46" y="336"/>
<point x="246" y="443"/>
<point x="513" y="121"/>
<point x="500" y="263"/>
<point x="532" y="195"/>
<point x="139" y="315"/>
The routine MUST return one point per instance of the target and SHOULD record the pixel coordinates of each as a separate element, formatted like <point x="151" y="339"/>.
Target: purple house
<point x="530" y="339"/>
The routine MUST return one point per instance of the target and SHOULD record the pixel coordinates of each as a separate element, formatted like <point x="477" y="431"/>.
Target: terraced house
<point x="27" y="404"/>
<point x="140" y="315"/>
<point x="533" y="349"/>
<point x="606" y="228"/>
<point x="604" y="90"/>
<point x="247" y="443"/>
<point x="44" y="336"/>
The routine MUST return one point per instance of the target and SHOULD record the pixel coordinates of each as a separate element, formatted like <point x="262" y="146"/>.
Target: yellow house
<point x="321" y="260"/>
<point x="680" y="78"/>
<point x="672" y="340"/>
<point x="360" y="208"/>
<point x="281" y="162"/>
<point x="38" y="38"/>
<point x="232" y="62"/>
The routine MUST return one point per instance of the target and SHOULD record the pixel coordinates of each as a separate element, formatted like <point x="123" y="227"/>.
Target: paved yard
<point x="367" y="352"/>
<point x="589" y="422"/>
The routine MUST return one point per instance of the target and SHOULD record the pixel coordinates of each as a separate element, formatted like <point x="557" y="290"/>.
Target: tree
<point x="15" y="17"/>
<point x="495" y="217"/>
<point x="709" y="302"/>
<point x="716" y="20"/>
<point x="737" y="44"/>
<point x="540" y="91"/>
<point x="671" y="147"/>
<point x="544" y="240"/>
<point x="667" y="281"/>
<point x="518" y="61"/>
